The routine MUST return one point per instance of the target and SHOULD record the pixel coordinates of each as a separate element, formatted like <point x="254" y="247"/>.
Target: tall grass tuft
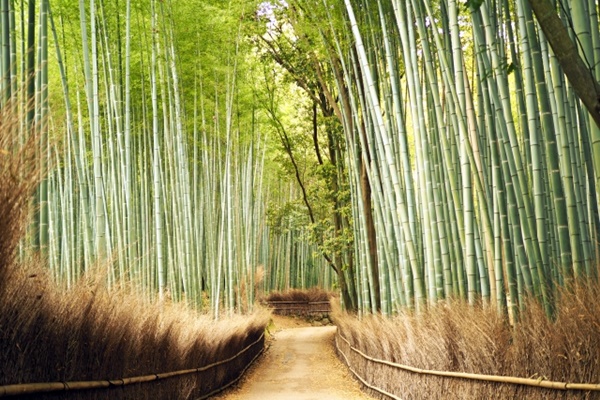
<point x="18" y="178"/>
<point x="90" y="333"/>
<point x="457" y="337"/>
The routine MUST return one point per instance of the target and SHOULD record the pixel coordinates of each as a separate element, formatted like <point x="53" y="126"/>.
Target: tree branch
<point x="578" y="74"/>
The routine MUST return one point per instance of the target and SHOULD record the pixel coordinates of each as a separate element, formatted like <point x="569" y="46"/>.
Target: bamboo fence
<point x="541" y="383"/>
<point x="45" y="387"/>
<point x="299" y="307"/>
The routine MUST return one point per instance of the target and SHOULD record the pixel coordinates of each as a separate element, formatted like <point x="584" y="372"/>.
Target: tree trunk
<point x="349" y="302"/>
<point x="579" y="75"/>
<point x="371" y="233"/>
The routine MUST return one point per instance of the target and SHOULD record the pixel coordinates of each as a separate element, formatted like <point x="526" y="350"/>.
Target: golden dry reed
<point x="309" y="295"/>
<point x="90" y="333"/>
<point x="456" y="337"/>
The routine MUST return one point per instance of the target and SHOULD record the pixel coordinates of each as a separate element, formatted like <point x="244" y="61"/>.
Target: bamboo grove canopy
<point x="481" y="163"/>
<point x="472" y="165"/>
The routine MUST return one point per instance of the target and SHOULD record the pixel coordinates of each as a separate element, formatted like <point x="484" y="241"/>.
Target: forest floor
<point x="299" y="364"/>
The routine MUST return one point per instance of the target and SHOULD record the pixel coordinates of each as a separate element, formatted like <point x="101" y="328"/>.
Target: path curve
<point x="300" y="364"/>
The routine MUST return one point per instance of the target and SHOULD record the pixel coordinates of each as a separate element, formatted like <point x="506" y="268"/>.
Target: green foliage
<point x="510" y="68"/>
<point x="473" y="4"/>
<point x="283" y="217"/>
<point x="456" y="128"/>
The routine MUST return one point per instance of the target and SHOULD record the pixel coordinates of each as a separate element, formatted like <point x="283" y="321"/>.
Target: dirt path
<point x="300" y="364"/>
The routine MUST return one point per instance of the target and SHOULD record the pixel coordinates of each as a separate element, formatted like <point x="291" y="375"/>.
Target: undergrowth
<point x="456" y="337"/>
<point x="90" y="333"/>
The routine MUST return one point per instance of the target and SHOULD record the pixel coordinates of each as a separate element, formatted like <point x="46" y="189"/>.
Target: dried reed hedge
<point x="456" y="337"/>
<point x="309" y="295"/>
<point x="91" y="333"/>
<point x="312" y="304"/>
<point x="18" y="179"/>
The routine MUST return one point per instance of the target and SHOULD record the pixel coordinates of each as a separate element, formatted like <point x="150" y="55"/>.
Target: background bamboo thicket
<point x="478" y="153"/>
<point x="157" y="173"/>
<point x="449" y="155"/>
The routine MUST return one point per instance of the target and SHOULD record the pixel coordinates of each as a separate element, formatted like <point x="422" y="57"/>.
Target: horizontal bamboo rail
<point x="206" y="396"/>
<point x="360" y="378"/>
<point x="42" y="387"/>
<point x="465" y="375"/>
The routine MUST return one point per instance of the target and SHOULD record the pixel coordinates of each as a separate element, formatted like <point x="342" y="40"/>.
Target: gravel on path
<point x="300" y="364"/>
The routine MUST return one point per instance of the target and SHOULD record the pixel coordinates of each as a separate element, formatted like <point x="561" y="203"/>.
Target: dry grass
<point x="89" y="333"/>
<point x="455" y="337"/>
<point x="18" y="178"/>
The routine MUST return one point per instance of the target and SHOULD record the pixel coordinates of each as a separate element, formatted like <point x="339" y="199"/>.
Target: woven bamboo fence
<point x="300" y="307"/>
<point x="254" y="349"/>
<point x="351" y="352"/>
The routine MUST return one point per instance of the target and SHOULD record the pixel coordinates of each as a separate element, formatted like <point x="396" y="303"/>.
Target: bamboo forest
<point x="404" y="158"/>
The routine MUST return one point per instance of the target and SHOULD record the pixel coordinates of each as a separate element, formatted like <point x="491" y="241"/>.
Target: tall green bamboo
<point x="470" y="161"/>
<point x="5" y="45"/>
<point x="490" y="165"/>
<point x="124" y="189"/>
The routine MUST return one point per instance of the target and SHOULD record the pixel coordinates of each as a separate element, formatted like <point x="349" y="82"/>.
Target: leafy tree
<point x="285" y="35"/>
